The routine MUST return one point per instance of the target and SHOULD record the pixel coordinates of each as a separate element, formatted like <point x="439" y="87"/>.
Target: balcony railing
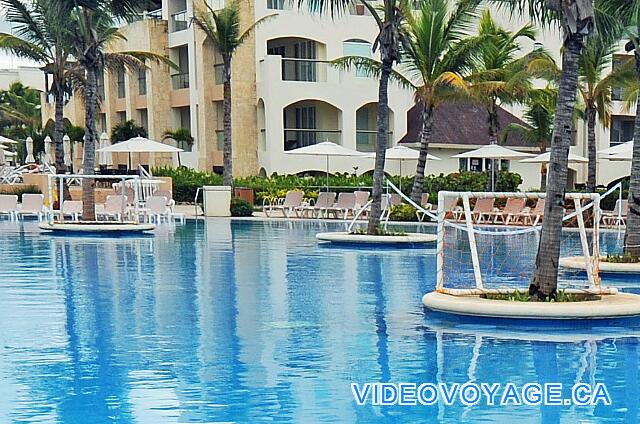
<point x="295" y="138"/>
<point x="306" y="70"/>
<point x="179" y="21"/>
<point x="180" y="81"/>
<point x="366" y="140"/>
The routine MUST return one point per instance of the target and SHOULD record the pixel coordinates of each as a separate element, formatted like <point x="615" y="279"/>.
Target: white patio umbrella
<point x="139" y="145"/>
<point x="546" y="158"/>
<point x="624" y="149"/>
<point x="105" y="157"/>
<point x="493" y="151"/>
<point x="47" y="150"/>
<point x="5" y="140"/>
<point x="30" y="158"/>
<point x="401" y="154"/>
<point x="66" y="146"/>
<point x="326" y="149"/>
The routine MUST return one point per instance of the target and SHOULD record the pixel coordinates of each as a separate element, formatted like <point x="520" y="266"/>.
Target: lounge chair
<point x="323" y="203"/>
<point x="531" y="216"/>
<point x="424" y="202"/>
<point x="395" y="199"/>
<point x="72" y="208"/>
<point x="513" y="208"/>
<point x="115" y="207"/>
<point x="482" y="210"/>
<point x="362" y="198"/>
<point x="288" y="205"/>
<point x="618" y="216"/>
<point x="452" y="210"/>
<point x="9" y="205"/>
<point x="157" y="207"/>
<point x="346" y="204"/>
<point x="32" y="204"/>
<point x="168" y="195"/>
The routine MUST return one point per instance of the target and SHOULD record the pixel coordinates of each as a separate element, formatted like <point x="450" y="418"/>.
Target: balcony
<point x="366" y="140"/>
<point x="180" y="81"/>
<point x="178" y="21"/>
<point x="304" y="70"/>
<point x="301" y="137"/>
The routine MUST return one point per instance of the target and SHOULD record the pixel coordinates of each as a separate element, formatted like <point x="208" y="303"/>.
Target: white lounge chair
<point x="424" y="202"/>
<point x="157" y="208"/>
<point x="346" y="204"/>
<point x="72" y="208"/>
<point x="319" y="208"/>
<point x="618" y="216"/>
<point x="32" y="204"/>
<point x="9" y="205"/>
<point x="114" y="207"/>
<point x="288" y="205"/>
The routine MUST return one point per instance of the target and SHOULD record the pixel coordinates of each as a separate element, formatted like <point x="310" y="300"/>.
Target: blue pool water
<point x="254" y="322"/>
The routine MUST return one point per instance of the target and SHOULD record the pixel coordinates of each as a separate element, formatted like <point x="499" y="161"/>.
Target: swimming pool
<point x="222" y="321"/>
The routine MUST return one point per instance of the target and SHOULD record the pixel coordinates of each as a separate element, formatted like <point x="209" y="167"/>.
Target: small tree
<point x="222" y="28"/>
<point x="182" y="137"/>
<point x="126" y="130"/>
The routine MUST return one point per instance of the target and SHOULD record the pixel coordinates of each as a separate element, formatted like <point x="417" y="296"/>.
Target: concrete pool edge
<point x="97" y="228"/>
<point x="345" y="237"/>
<point x="577" y="262"/>
<point x="620" y="305"/>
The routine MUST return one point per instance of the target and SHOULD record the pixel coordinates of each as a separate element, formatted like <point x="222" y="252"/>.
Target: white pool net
<point x="489" y="241"/>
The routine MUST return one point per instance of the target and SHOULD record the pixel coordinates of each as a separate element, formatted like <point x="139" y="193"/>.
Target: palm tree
<point x="595" y="91"/>
<point x="222" y="28"/>
<point x="182" y="137"/>
<point x="92" y="30"/>
<point x="437" y="54"/>
<point x="539" y="129"/>
<point x="500" y="76"/>
<point x="41" y="36"/>
<point x="389" y="18"/>
<point x="577" y="20"/>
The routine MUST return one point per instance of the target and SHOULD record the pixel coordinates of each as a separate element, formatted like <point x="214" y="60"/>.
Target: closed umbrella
<point x="66" y="145"/>
<point x="47" y="150"/>
<point x="326" y="149"/>
<point x="30" y="158"/>
<point x="493" y="151"/>
<point x="105" y="157"/>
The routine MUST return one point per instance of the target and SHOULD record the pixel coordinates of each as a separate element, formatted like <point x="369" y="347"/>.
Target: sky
<point x="8" y="61"/>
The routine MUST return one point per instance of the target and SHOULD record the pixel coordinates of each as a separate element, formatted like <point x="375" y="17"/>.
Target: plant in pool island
<point x="222" y="29"/>
<point x="523" y="296"/>
<point x="241" y="208"/>
<point x="389" y="18"/>
<point x="40" y="34"/>
<point x="621" y="259"/>
<point x="380" y="231"/>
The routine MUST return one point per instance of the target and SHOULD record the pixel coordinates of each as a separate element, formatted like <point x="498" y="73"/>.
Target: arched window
<point x="357" y="47"/>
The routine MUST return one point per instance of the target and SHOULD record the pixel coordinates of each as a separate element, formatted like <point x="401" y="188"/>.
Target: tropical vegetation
<point x="126" y="130"/>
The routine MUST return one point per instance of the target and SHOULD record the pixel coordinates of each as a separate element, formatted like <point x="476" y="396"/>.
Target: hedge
<point x="186" y="182"/>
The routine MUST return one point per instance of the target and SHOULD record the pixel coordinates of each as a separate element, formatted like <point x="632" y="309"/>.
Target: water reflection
<point x="252" y="322"/>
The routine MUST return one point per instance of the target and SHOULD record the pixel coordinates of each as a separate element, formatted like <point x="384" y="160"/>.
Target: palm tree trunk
<point x="88" y="185"/>
<point x="425" y="138"/>
<point x="591" y="147"/>
<point x="58" y="132"/>
<point x="545" y="278"/>
<point x="227" y="152"/>
<point x="632" y="234"/>
<point x="381" y="145"/>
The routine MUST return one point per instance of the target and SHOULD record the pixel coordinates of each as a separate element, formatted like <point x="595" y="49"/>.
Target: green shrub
<point x="20" y="190"/>
<point x="403" y="212"/>
<point x="240" y="207"/>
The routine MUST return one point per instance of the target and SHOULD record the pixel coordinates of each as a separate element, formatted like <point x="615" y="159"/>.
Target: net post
<point x="577" y="201"/>
<point x="595" y="256"/>
<point x="472" y="241"/>
<point x="50" y="194"/>
<point x="440" y="242"/>
<point x="61" y="197"/>
<point x="136" y="198"/>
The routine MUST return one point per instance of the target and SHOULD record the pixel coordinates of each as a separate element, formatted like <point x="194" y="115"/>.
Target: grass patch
<point x="561" y="297"/>
<point x="621" y="259"/>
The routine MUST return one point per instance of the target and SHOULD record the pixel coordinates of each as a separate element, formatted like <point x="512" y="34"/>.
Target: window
<point x="218" y="69"/>
<point x="144" y="119"/>
<point x="102" y="122"/>
<point x="357" y="48"/>
<point x="616" y="63"/>
<point x="100" y="85"/>
<point x="219" y="125"/>
<point x="275" y="4"/>
<point x="121" y="83"/>
<point x="621" y="129"/>
<point x="142" y="82"/>
<point x="122" y="117"/>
